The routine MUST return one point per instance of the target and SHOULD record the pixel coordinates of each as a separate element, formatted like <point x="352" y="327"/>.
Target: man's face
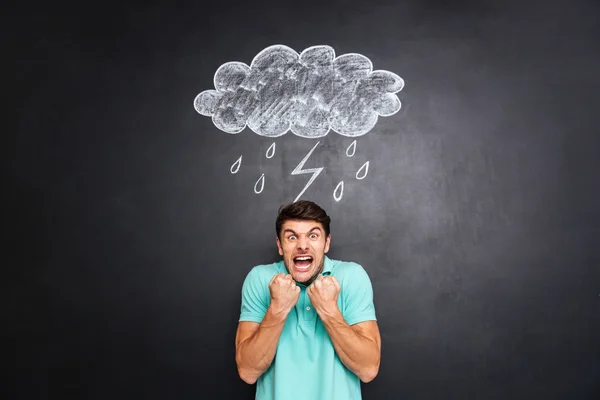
<point x="303" y="245"/>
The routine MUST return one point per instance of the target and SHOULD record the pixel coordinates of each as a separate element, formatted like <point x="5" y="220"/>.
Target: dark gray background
<point x="129" y="239"/>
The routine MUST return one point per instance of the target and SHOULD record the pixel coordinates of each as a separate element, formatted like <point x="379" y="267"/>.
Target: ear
<point x="279" y="246"/>
<point x="327" y="242"/>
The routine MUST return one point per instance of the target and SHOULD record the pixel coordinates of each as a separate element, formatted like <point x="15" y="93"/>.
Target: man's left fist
<point x="323" y="293"/>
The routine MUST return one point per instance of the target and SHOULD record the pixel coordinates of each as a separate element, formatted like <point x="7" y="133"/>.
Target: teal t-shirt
<point x="306" y="366"/>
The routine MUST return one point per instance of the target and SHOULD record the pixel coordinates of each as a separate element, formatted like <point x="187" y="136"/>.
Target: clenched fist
<point x="284" y="293"/>
<point x="323" y="294"/>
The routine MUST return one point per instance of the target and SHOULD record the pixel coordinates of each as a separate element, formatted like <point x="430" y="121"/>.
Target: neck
<point x="311" y="280"/>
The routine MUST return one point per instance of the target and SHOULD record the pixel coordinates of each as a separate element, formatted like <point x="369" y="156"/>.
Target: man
<point x="307" y="327"/>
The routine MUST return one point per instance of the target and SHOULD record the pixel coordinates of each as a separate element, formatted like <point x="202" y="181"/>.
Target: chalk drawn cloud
<point x="308" y="94"/>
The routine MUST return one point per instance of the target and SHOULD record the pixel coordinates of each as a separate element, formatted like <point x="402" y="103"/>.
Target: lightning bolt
<point x="299" y="171"/>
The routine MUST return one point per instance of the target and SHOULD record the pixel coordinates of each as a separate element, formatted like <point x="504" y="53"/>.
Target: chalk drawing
<point x="315" y="171"/>
<point x="235" y="167"/>
<point x="271" y="151"/>
<point x="351" y="149"/>
<point x="260" y="181"/>
<point x="364" y="170"/>
<point x="309" y="94"/>
<point x="339" y="191"/>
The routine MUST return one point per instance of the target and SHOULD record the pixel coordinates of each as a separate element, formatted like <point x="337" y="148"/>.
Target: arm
<point x="263" y="315"/>
<point x="358" y="346"/>
<point x="256" y="344"/>
<point x="354" y="331"/>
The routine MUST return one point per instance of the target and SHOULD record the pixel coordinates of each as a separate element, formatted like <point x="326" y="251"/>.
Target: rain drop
<point x="364" y="169"/>
<point x="235" y="167"/>
<point x="339" y="191"/>
<point x="271" y="151"/>
<point x="351" y="149"/>
<point x="260" y="181"/>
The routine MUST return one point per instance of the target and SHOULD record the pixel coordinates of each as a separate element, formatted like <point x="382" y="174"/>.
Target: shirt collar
<point x="327" y="266"/>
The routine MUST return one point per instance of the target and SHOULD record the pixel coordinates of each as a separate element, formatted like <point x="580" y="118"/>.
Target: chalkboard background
<point x="478" y="221"/>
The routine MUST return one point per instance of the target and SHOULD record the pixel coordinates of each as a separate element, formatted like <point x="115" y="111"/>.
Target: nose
<point x="303" y="243"/>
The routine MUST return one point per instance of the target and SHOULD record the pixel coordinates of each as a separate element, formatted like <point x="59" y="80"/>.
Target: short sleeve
<point x="359" y="305"/>
<point x="255" y="297"/>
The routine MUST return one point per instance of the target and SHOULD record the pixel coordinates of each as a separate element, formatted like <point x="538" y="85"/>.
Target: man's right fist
<point x="284" y="292"/>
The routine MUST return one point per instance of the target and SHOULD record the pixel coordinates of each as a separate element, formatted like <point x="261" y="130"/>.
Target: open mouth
<point x="302" y="263"/>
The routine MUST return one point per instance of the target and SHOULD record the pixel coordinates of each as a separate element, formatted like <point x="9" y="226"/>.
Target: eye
<point x="292" y="237"/>
<point x="314" y="236"/>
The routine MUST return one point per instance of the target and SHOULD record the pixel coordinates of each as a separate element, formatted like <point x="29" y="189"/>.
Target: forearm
<point x="358" y="353"/>
<point x="255" y="354"/>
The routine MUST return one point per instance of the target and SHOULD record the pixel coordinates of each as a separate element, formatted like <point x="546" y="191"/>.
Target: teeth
<point x="303" y="258"/>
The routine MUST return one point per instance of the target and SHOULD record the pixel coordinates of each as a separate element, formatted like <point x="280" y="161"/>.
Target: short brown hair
<point x="303" y="210"/>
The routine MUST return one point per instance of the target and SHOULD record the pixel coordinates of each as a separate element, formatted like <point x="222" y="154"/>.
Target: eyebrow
<point x="288" y="230"/>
